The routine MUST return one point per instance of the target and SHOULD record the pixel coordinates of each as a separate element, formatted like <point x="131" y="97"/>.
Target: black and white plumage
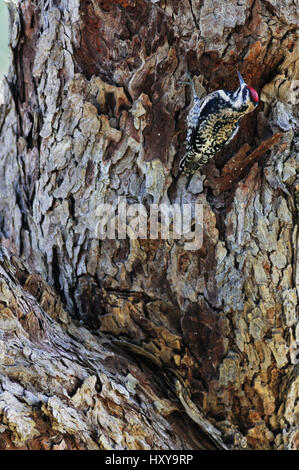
<point x="213" y="122"/>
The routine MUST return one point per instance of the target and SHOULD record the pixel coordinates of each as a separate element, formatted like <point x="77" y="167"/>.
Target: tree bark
<point x="142" y="343"/>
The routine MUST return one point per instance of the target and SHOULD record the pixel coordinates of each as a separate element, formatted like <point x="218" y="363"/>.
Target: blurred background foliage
<point x="4" y="55"/>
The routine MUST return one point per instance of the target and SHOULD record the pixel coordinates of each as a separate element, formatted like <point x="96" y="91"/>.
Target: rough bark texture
<point x="175" y="349"/>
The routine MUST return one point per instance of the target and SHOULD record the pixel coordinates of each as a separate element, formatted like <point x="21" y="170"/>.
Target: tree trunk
<point x="142" y="343"/>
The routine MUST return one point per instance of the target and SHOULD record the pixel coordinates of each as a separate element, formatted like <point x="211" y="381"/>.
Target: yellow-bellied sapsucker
<point x="213" y="122"/>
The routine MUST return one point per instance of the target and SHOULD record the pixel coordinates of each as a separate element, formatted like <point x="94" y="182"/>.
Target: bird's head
<point x="246" y="96"/>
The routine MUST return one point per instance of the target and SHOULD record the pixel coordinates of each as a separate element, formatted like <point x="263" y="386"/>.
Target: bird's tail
<point x="190" y="176"/>
<point x="182" y="172"/>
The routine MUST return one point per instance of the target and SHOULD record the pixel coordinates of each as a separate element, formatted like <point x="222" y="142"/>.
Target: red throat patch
<point x="253" y="94"/>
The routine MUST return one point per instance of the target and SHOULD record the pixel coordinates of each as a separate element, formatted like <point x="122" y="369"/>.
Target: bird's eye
<point x="244" y="94"/>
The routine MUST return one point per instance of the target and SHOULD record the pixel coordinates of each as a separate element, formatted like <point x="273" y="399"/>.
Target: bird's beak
<point x="241" y="79"/>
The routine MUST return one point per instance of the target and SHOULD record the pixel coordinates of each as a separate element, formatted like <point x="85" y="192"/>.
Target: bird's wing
<point x="196" y="112"/>
<point x="207" y="99"/>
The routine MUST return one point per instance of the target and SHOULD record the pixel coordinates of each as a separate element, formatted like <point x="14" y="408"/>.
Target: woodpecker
<point x="213" y="122"/>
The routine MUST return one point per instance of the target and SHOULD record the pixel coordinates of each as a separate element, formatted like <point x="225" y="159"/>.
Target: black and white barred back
<point x="213" y="122"/>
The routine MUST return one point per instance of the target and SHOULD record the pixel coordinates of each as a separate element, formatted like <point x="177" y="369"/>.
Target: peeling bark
<point x="144" y="333"/>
